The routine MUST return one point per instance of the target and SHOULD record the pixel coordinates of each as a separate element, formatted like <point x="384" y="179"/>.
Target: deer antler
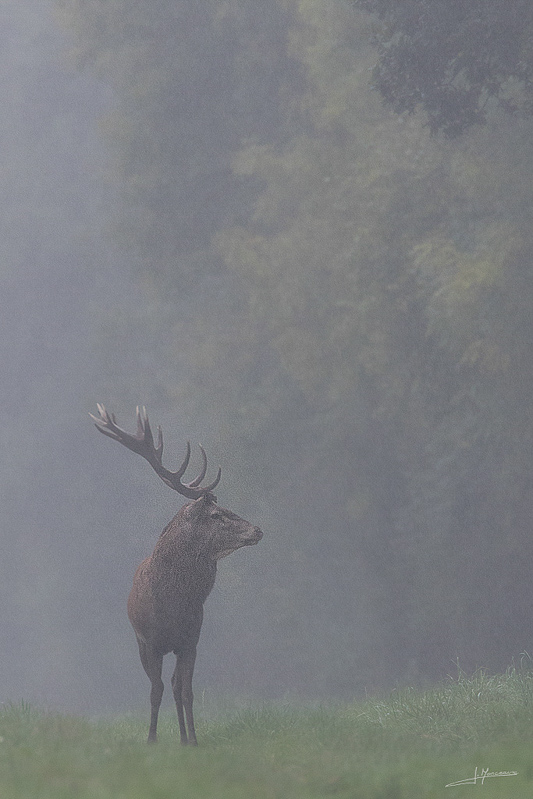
<point x="143" y="444"/>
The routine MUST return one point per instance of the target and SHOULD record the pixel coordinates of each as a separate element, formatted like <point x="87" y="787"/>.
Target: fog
<point x="211" y="213"/>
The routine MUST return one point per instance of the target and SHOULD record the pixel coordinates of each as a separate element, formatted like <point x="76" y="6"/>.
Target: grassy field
<point x="409" y="744"/>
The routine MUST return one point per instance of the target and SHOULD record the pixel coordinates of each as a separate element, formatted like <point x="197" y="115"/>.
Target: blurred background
<point x="300" y="233"/>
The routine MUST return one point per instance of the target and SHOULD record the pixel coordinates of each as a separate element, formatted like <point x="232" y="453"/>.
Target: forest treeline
<point x="348" y="302"/>
<point x="456" y="60"/>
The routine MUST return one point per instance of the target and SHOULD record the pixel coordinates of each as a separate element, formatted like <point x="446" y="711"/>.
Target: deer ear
<point x="198" y="506"/>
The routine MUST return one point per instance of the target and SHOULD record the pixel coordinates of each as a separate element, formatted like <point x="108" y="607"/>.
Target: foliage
<point x="186" y="80"/>
<point x="454" y="58"/>
<point x="353" y="317"/>
<point x="384" y="268"/>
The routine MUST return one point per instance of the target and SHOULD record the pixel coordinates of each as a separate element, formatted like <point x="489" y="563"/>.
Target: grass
<point x="410" y="744"/>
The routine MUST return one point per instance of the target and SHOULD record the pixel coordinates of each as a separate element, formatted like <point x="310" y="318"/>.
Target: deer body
<point x="165" y="605"/>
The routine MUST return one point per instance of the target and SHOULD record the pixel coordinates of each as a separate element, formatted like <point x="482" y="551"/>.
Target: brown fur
<point x="165" y="605"/>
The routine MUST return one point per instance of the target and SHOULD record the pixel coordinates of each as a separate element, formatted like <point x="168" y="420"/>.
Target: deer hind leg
<point x="183" y="696"/>
<point x="153" y="665"/>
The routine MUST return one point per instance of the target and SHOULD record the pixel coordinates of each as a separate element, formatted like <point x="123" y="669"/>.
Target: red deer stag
<point x="165" y="605"/>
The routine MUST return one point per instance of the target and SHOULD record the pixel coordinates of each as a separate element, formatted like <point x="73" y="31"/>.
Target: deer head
<point x="215" y="531"/>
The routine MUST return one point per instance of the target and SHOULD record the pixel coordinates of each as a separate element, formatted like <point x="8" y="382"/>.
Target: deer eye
<point x="217" y="515"/>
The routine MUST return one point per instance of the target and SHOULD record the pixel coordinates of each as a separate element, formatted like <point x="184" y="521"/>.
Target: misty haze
<point x="235" y="215"/>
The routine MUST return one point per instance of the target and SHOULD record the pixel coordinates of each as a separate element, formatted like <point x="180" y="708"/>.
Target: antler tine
<point x="106" y="423"/>
<point x="197" y="480"/>
<point x="145" y="431"/>
<point x="192" y="489"/>
<point x="101" y="411"/>
<point x="216" y="481"/>
<point x="181" y="471"/>
<point x="159" y="448"/>
<point x="140" y="423"/>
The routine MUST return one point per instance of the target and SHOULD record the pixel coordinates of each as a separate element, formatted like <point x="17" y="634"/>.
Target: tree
<point x="359" y="330"/>
<point x="390" y="272"/>
<point x="189" y="82"/>
<point x="455" y="59"/>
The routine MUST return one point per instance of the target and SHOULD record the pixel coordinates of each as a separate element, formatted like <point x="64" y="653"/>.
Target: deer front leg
<point x="177" y="683"/>
<point x="183" y="695"/>
<point x="153" y="665"/>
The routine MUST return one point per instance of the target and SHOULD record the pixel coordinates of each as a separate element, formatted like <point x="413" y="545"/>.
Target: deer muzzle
<point x="255" y="536"/>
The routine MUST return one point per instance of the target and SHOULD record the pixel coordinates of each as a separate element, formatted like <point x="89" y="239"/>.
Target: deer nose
<point x="258" y="534"/>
